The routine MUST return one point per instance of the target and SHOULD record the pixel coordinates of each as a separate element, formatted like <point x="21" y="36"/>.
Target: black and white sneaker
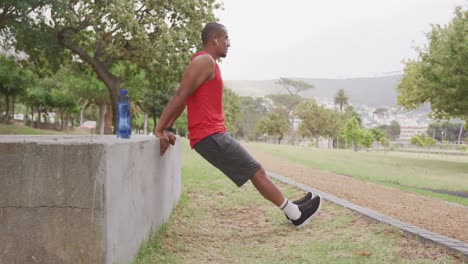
<point x="308" y="210"/>
<point x="302" y="200"/>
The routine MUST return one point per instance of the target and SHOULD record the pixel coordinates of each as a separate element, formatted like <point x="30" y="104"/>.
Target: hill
<point x="371" y="91"/>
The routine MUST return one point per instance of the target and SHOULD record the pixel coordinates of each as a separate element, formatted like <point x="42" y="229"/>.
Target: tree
<point x="231" y="109"/>
<point x="290" y="100"/>
<point x="385" y="142"/>
<point x="157" y="36"/>
<point x="14" y="10"/>
<point x="60" y="95"/>
<point x="37" y="98"/>
<point x="65" y="103"/>
<point x="381" y="111"/>
<point x="423" y="141"/>
<point x="335" y="124"/>
<point x="181" y="124"/>
<point x="294" y="87"/>
<point x="366" y="138"/>
<point x="351" y="132"/>
<point x="287" y="101"/>
<point x="350" y="113"/>
<point x="84" y="84"/>
<point x="440" y="75"/>
<point x="315" y="120"/>
<point x="251" y="112"/>
<point x="392" y="130"/>
<point x="378" y="134"/>
<point x="13" y="82"/>
<point x="276" y="123"/>
<point x="156" y="98"/>
<point x="341" y="99"/>
<point x="446" y="131"/>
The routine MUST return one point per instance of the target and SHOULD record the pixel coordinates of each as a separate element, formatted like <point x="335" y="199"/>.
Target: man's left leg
<point x="267" y="188"/>
<point x="298" y="214"/>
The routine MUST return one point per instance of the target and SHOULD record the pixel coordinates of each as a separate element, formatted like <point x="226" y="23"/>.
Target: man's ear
<point x="216" y="42"/>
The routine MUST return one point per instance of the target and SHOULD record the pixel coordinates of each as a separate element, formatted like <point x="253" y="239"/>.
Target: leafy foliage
<point x="367" y="138"/>
<point x="14" y="81"/>
<point x="316" y="120"/>
<point x="156" y="36"/>
<point x="294" y="87"/>
<point x="423" y="141"/>
<point x="287" y="101"/>
<point x="231" y="109"/>
<point x="440" y="75"/>
<point x="446" y="131"/>
<point x="341" y="99"/>
<point x="351" y="132"/>
<point x="275" y="124"/>
<point x="392" y="131"/>
<point x="252" y="110"/>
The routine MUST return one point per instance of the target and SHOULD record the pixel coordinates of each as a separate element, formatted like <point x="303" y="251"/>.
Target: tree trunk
<point x="83" y="108"/>
<point x="461" y="132"/>
<point x="61" y="120"/>
<point x="66" y="121"/>
<point x="81" y="115"/>
<point x="145" y="124"/>
<point x="39" y="113"/>
<point x="101" y="120"/>
<point x="108" y="120"/>
<point x="317" y="141"/>
<point x="32" y="117"/>
<point x="44" y="116"/>
<point x="101" y="69"/>
<point x="7" y="108"/>
<point x="13" y="107"/>
<point x="155" y="123"/>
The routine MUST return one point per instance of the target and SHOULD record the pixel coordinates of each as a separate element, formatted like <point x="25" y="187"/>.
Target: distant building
<point x="19" y="117"/>
<point x="407" y="132"/>
<point x="296" y="123"/>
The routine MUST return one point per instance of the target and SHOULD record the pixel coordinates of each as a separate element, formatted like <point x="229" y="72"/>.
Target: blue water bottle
<point x="124" y="129"/>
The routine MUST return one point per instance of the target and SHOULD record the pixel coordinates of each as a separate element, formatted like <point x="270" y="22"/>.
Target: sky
<point x="327" y="38"/>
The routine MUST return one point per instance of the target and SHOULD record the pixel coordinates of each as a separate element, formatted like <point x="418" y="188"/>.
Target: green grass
<point x="217" y="222"/>
<point x="24" y="130"/>
<point x="405" y="171"/>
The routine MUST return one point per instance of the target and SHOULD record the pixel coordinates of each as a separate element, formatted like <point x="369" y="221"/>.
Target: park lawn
<point x="25" y="130"/>
<point x="219" y="223"/>
<point x="419" y="173"/>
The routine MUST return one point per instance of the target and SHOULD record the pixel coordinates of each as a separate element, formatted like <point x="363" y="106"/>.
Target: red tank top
<point x="205" y="110"/>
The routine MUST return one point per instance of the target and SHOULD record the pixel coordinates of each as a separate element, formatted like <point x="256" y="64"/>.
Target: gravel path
<point x="433" y="214"/>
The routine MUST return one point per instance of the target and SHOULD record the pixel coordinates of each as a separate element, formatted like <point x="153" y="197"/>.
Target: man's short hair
<point x="210" y="29"/>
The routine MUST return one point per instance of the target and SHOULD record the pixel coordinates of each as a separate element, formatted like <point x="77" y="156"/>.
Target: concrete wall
<point x="70" y="199"/>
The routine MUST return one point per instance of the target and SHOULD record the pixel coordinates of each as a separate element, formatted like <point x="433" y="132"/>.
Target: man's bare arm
<point x="199" y="71"/>
<point x="173" y="120"/>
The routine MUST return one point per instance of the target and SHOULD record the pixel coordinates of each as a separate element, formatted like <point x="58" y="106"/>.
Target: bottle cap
<point x="123" y="92"/>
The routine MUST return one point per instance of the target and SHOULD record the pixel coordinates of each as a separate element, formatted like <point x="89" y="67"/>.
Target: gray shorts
<point x="226" y="154"/>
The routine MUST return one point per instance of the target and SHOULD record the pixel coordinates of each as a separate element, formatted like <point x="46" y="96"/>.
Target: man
<point x="201" y="90"/>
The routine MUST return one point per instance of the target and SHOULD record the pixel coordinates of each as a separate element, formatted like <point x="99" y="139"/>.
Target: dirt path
<point x="426" y="212"/>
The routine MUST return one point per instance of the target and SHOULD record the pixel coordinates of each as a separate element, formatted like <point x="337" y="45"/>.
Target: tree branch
<point x="100" y="68"/>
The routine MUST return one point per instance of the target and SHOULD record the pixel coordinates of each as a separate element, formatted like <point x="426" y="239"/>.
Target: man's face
<point x="223" y="43"/>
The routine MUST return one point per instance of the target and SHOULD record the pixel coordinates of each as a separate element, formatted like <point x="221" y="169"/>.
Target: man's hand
<point x="164" y="141"/>
<point x="171" y="136"/>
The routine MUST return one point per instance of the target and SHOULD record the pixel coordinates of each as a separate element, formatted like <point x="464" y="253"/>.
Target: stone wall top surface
<point x="72" y="139"/>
